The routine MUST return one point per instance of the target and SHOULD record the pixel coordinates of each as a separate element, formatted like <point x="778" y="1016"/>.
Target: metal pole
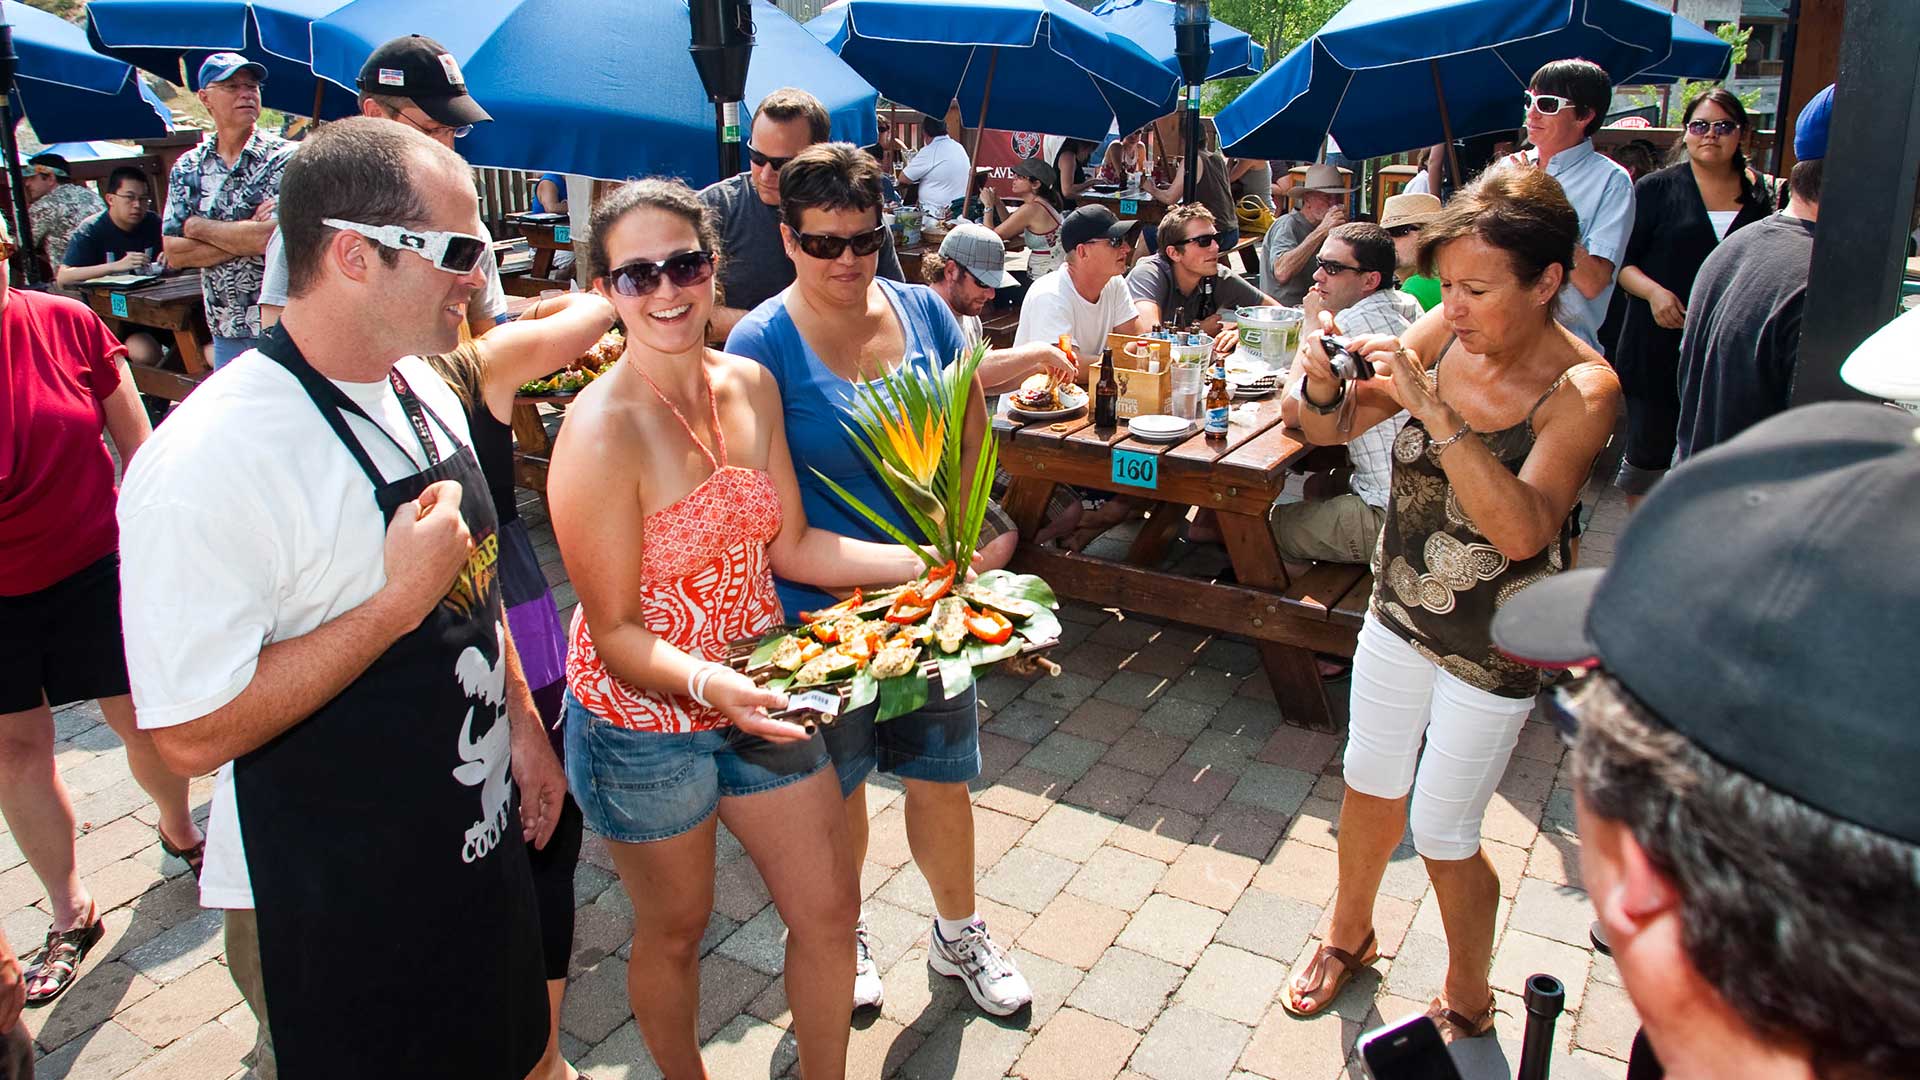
<point x="726" y="118"/>
<point x="1446" y="125"/>
<point x="980" y="129"/>
<point x="1192" y="141"/>
<point x="1544" y="998"/>
<point x="22" y="223"/>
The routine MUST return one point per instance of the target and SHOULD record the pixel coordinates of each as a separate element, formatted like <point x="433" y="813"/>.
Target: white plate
<point x="1071" y="401"/>
<point x="1158" y="425"/>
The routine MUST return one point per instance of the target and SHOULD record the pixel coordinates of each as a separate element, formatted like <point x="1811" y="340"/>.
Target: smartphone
<point x="1409" y="1050"/>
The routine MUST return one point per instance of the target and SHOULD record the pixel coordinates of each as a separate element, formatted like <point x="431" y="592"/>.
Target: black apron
<point x="398" y="934"/>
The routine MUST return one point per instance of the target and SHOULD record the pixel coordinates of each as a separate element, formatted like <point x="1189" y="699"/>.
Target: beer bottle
<point x="1106" y="395"/>
<point x="1217" y="401"/>
<point x="1207" y="304"/>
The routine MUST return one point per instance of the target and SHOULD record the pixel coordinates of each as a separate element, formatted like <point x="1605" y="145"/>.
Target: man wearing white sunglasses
<point x="1565" y="103"/>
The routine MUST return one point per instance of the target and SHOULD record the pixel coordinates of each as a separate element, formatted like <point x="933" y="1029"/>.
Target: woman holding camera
<point x="1507" y="418"/>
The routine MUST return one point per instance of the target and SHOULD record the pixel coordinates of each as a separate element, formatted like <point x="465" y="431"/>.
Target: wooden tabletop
<point x="1142" y="207"/>
<point x="169" y="306"/>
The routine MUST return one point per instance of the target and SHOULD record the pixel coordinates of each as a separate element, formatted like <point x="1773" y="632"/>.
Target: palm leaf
<point x="879" y="522"/>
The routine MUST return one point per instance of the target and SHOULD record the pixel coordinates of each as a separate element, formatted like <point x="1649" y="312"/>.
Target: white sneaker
<point x="868" y="991"/>
<point x="996" y="985"/>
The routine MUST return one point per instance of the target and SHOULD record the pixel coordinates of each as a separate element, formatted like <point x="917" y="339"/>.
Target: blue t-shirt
<point x="812" y="398"/>
<point x="560" y="181"/>
<point x="100" y="241"/>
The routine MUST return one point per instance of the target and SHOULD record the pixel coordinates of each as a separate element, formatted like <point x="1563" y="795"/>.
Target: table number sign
<point x="1129" y="206"/>
<point x="563" y="234"/>
<point x="1134" y="469"/>
<point x="119" y="305"/>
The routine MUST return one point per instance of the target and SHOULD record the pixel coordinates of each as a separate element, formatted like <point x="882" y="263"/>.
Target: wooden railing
<point x="503" y="192"/>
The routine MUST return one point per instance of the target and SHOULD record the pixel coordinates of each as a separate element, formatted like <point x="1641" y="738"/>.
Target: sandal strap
<point x="1349" y="960"/>
<point x="1471" y="1027"/>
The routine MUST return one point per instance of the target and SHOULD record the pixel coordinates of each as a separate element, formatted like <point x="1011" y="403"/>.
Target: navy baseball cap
<point x="1761" y="604"/>
<point x="421" y="69"/>
<point x="222" y="66"/>
<point x="1810" y="131"/>
<point x="1090" y="223"/>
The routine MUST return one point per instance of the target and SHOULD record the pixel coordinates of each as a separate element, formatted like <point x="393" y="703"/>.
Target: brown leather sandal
<point x="1455" y="1026"/>
<point x="195" y="857"/>
<point x="61" y="957"/>
<point x="1316" y="974"/>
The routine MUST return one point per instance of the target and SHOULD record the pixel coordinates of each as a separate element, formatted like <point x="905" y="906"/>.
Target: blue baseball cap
<point x="221" y="66"/>
<point x="1810" y="131"/>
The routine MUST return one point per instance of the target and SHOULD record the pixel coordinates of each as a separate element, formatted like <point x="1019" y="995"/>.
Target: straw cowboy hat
<point x="1326" y="178"/>
<point x="1411" y="208"/>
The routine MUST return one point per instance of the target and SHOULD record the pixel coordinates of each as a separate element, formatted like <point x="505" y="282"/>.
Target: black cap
<point x="1762" y="603"/>
<point x="1093" y="223"/>
<point x="422" y="69"/>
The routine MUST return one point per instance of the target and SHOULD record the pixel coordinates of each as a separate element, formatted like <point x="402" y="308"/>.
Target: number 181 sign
<point x="1134" y="469"/>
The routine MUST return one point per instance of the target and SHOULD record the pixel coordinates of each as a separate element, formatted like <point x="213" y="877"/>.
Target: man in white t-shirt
<point x="311" y="606"/>
<point x="1087" y="299"/>
<point x="940" y="167"/>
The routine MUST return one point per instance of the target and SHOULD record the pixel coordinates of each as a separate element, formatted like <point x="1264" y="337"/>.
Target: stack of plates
<point x="1159" y="427"/>
<point x="1248" y="389"/>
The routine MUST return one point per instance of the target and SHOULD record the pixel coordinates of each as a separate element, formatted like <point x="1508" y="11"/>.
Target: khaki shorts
<point x="1343" y="529"/>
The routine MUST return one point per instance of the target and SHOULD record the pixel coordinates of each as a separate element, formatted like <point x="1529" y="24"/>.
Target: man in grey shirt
<point x="1287" y="254"/>
<point x="1184" y="284"/>
<point x="746" y="208"/>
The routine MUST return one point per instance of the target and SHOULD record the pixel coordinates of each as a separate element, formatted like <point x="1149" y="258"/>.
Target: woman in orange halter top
<point x="674" y="502"/>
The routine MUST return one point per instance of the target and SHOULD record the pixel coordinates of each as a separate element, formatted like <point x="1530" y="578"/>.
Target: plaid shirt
<point x="201" y="183"/>
<point x="1387" y="311"/>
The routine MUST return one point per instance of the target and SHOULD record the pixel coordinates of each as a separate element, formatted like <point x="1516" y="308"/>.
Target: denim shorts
<point x="635" y="787"/>
<point x="939" y="742"/>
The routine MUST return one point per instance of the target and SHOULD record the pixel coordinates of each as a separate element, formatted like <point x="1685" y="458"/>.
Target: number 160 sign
<point x="1135" y="469"/>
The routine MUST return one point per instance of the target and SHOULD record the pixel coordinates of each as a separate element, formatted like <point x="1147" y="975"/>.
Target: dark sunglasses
<point x="1548" y="104"/>
<point x="1399" y="231"/>
<point x="821" y="246"/>
<point x="758" y="158"/>
<point x="1718" y="127"/>
<point x="1211" y="240"/>
<point x="641" y="278"/>
<point x="1334" y="269"/>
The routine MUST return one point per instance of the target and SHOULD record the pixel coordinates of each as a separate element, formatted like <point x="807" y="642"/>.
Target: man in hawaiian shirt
<point x="58" y="206"/>
<point x="220" y="203"/>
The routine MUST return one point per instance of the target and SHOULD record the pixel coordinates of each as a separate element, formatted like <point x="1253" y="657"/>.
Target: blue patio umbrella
<point x="171" y="37"/>
<point x="69" y="92"/>
<point x="591" y="87"/>
<point x="1697" y="54"/>
<point x="1149" y="24"/>
<point x="90" y="150"/>
<point x="1020" y="65"/>
<point x="1386" y="75"/>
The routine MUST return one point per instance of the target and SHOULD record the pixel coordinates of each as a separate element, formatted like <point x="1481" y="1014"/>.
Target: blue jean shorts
<point x="635" y="787"/>
<point x="940" y="742"/>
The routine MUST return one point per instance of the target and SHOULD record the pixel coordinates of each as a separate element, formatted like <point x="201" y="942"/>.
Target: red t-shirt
<point x="58" y="363"/>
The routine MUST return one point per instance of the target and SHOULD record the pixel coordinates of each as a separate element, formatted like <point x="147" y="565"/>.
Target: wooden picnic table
<point x="1238" y="477"/>
<point x="548" y="236"/>
<point x="170" y="304"/>
<point x="1144" y="208"/>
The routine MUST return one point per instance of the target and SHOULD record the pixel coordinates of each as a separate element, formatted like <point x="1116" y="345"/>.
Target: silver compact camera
<point x="1347" y="364"/>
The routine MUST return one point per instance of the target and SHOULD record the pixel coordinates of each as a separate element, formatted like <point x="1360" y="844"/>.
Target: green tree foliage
<point x="1276" y="25"/>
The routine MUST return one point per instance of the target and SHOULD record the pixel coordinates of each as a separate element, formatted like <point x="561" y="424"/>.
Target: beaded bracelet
<point x="1441" y="446"/>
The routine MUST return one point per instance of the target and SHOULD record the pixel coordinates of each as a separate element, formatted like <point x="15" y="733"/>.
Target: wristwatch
<point x="1330" y="407"/>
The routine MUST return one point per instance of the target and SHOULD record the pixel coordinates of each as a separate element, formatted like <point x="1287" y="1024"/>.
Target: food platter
<point x="1045" y="397"/>
<point x="901" y="645"/>
<point x="570" y="380"/>
<point x="1071" y="401"/>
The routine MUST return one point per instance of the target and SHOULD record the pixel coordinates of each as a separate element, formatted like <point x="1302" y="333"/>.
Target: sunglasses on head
<point x="1334" y="269"/>
<point x="1399" y="231"/>
<point x="758" y="158"/>
<point x="456" y="253"/>
<point x="641" y="278"/>
<point x="1548" y="104"/>
<point x="1718" y="127"/>
<point x="822" y="246"/>
<point x="1211" y="240"/>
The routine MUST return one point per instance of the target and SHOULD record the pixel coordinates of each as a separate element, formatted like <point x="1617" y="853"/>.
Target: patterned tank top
<point x="1043" y="249"/>
<point x="1436" y="579"/>
<point x="705" y="582"/>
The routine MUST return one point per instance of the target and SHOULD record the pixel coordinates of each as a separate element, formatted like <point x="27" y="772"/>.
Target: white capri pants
<point x="1400" y="695"/>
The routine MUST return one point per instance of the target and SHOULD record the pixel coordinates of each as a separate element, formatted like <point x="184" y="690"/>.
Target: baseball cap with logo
<point x="421" y="69"/>
<point x="981" y="251"/>
<point x="1761" y="604"/>
<point x="222" y="66"/>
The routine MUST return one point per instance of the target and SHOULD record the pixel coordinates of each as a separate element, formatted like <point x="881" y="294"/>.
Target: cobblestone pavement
<point x="1154" y="844"/>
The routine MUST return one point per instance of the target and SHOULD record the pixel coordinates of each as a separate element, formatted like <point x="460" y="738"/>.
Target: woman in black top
<point x="1681" y="213"/>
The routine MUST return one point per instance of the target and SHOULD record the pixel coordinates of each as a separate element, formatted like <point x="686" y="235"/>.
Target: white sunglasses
<point x="456" y="253"/>
<point x="1548" y="104"/>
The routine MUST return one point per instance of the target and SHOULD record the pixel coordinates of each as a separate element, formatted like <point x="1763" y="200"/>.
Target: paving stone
<point x="908" y="889"/>
<point x="1126" y="632"/>
<point x="111" y="842"/>
<point x="1521" y="954"/>
<point x="966" y="1047"/>
<point x="181" y="949"/>
<point x="1276" y="927"/>
<point x="916" y="996"/>
<point x="1510" y="822"/>
<point x="1024" y="793"/>
<point x="590" y="880"/>
<point x="1606" y="971"/>
<point x="1117" y="878"/>
<point x="181" y="1006"/>
<point x="1127" y="987"/>
<point x="209" y="1050"/>
<point x="1232" y="983"/>
<point x="719" y="929"/>
<point x="738" y="892"/>
<point x="1285" y="1047"/>
<point x="596" y="1002"/>
<point x="1528" y="780"/>
<point x="1248" y="718"/>
<point x="1133" y="688"/>
<point x="1552" y="911"/>
<point x="749" y="1047"/>
<point x="1063" y="691"/>
<point x="1206" y="686"/>
<point x="1171" y="929"/>
<point x="1243" y="829"/>
<point x="1607" y="1021"/>
<point x="726" y="988"/>
<point x="1094" y="659"/>
<point x="1100" y="720"/>
<point x="998" y="753"/>
<point x="1209" y="877"/>
<point x="108" y="1050"/>
<point x="1539" y="742"/>
<point x="1145" y="751"/>
<point x="620" y="1056"/>
<point x="1109" y="790"/>
<point x="1189" y="1044"/>
<point x="886" y="845"/>
<point x="1156" y="831"/>
<point x="597" y="932"/>
<point x="1160" y="659"/>
<point x="1298" y="748"/>
<point x="1178" y="717"/>
<point x="1509" y="865"/>
<point x="1073" y="931"/>
<point x="1272" y="787"/>
<point x="1355" y="1002"/>
<point x="1555" y="859"/>
<point x="879" y="1048"/>
<point x="1069" y="832"/>
<point x="1052" y="983"/>
<point x="123" y="882"/>
<point x="1419" y="968"/>
<point x="1221" y="751"/>
<point x="1026" y="720"/>
<point x="1027" y="878"/>
<point x="761" y="944"/>
<point x="1065" y="755"/>
<point x="1427" y="919"/>
<point x="1392" y="917"/>
<point x="1077" y="1046"/>
<point x="100" y="991"/>
<point x="1405" y="876"/>
<point x="999" y="689"/>
<point x="240" y="1020"/>
<point x="1226" y="654"/>
<point x="25" y="928"/>
<point x="893" y="931"/>
<point x="113" y="801"/>
<point x="1300" y="870"/>
<point x="994" y="834"/>
<point x="1196" y="789"/>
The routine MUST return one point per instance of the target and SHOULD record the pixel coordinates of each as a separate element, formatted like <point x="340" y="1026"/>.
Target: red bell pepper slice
<point x="989" y="626"/>
<point x="825" y="631"/>
<point x="939" y="582"/>
<point x="840" y="608"/>
<point x="908" y="608"/>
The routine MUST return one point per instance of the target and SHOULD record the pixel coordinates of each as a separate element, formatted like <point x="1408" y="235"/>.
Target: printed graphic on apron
<point x="484" y="761"/>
